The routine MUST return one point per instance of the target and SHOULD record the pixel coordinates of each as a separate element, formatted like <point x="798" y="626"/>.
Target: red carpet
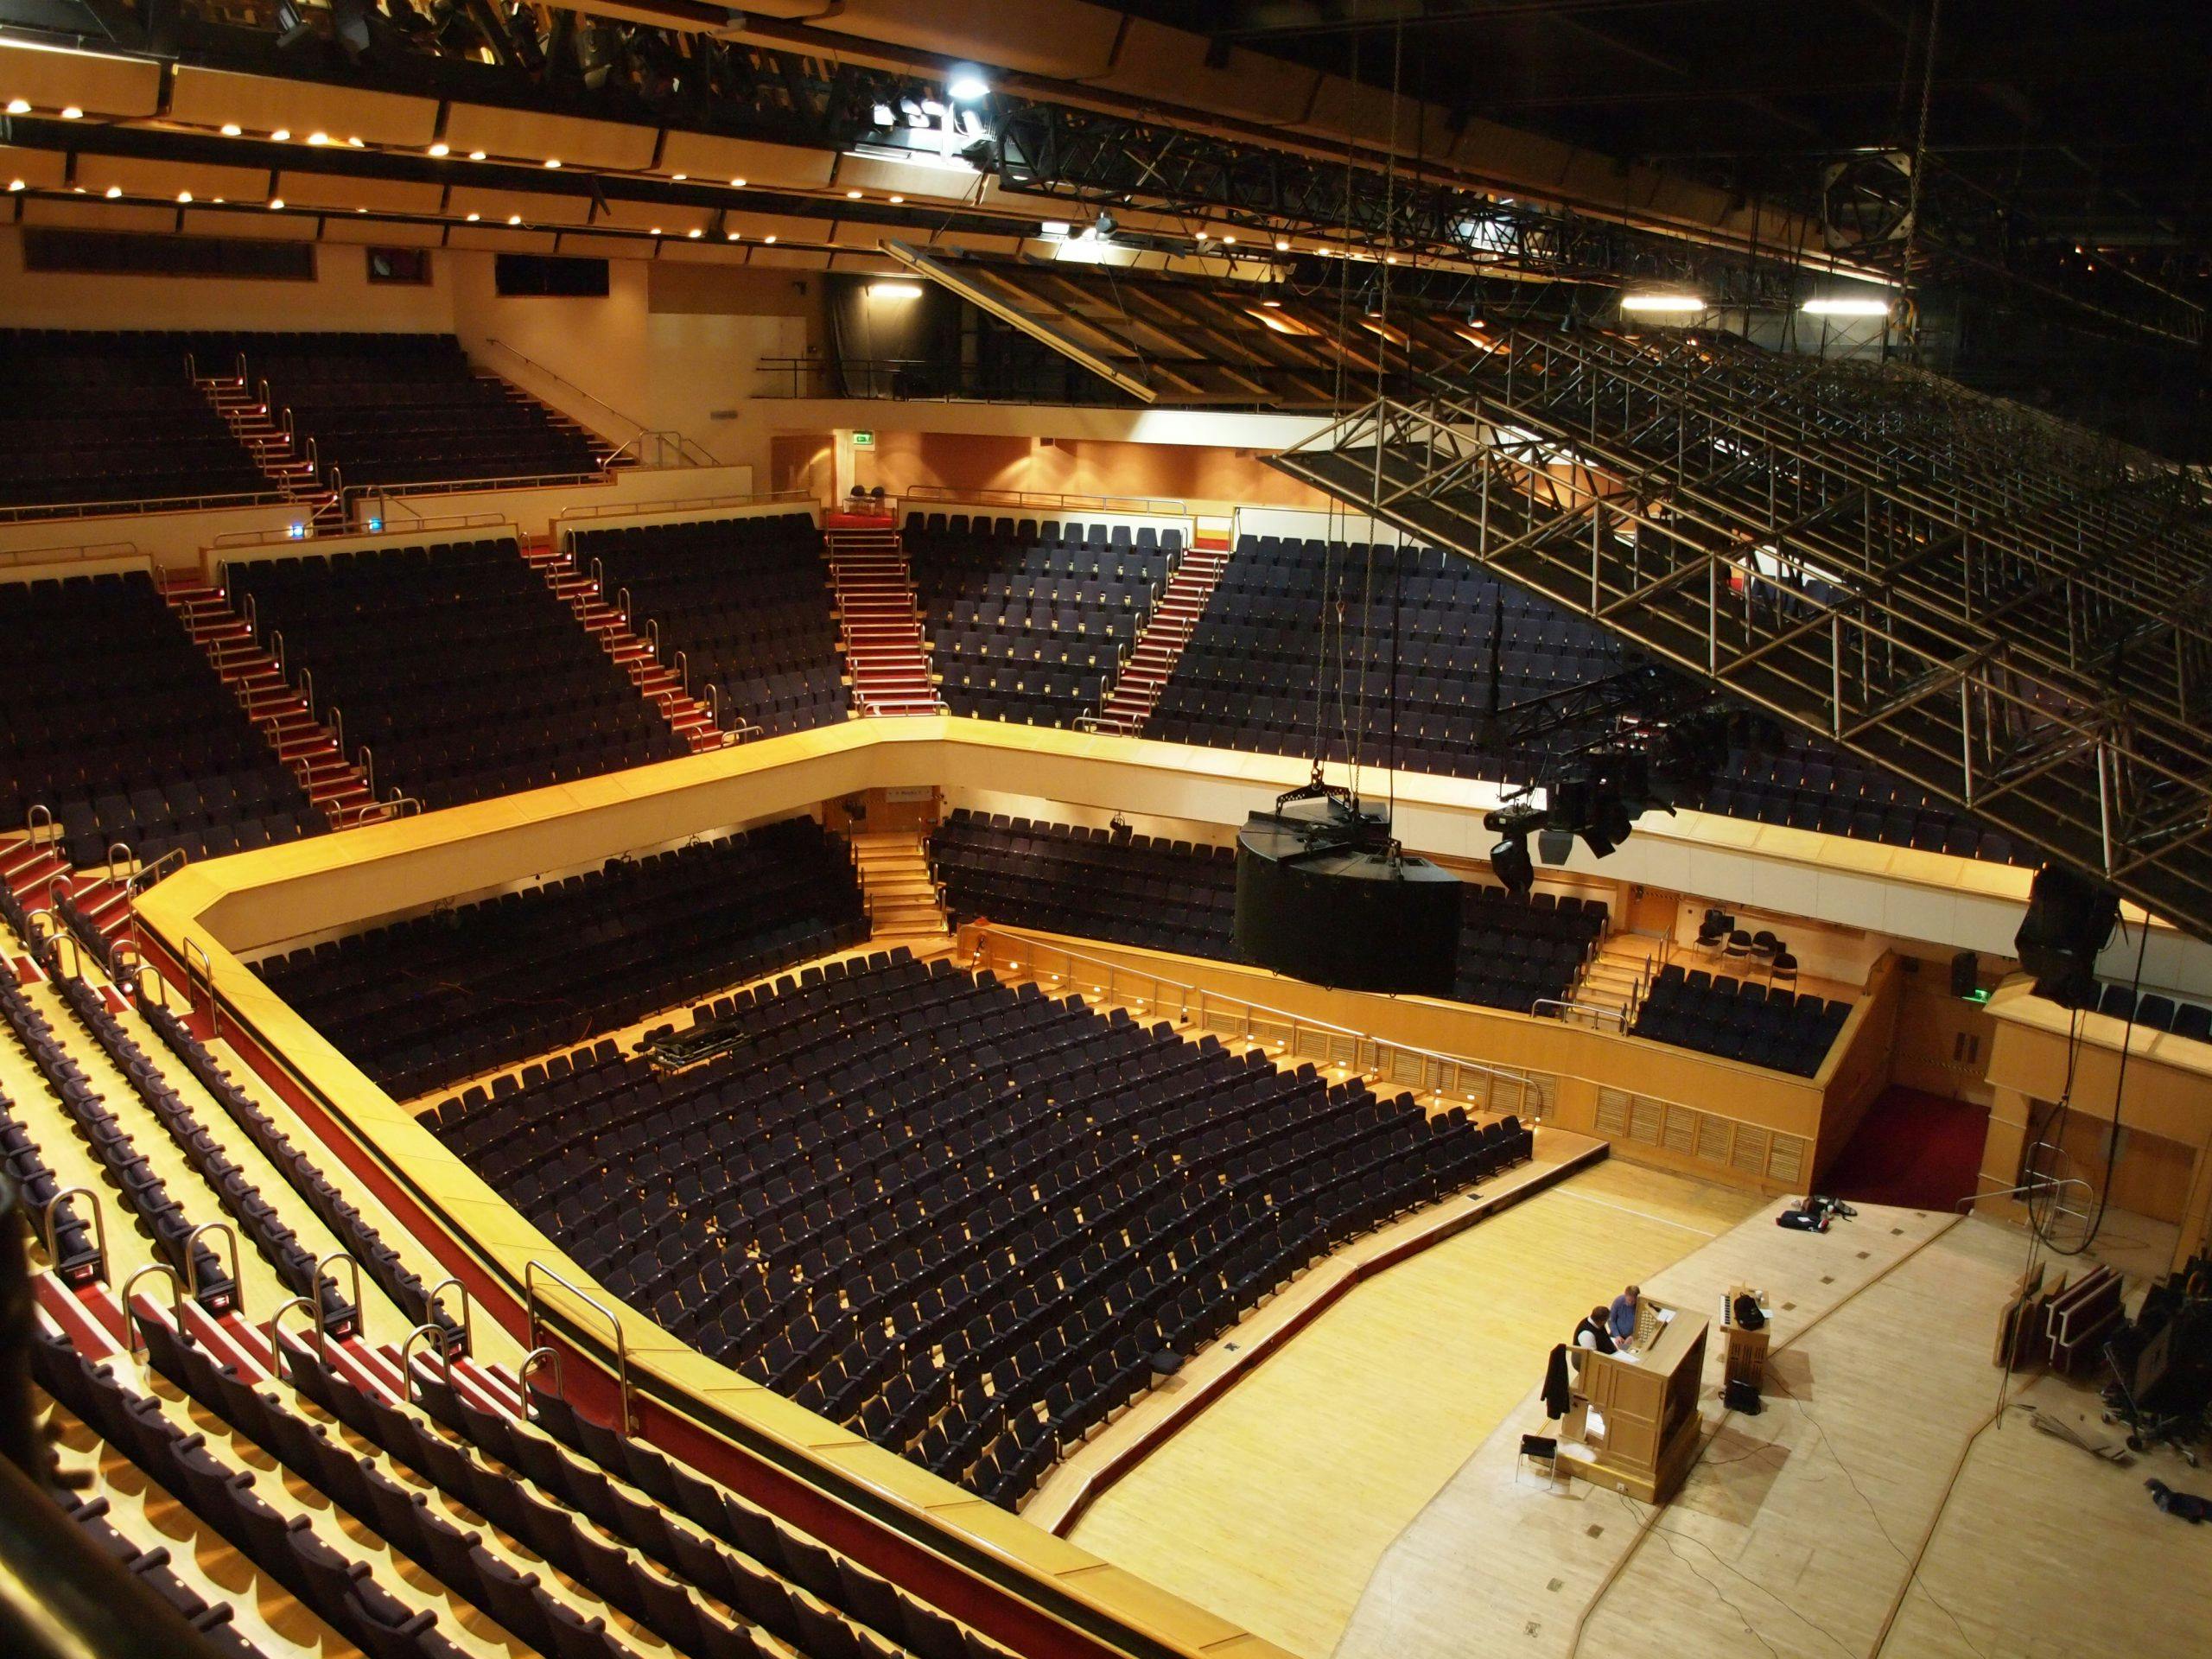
<point x="1917" y="1151"/>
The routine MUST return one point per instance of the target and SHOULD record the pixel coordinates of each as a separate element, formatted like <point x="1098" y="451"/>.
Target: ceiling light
<point x="693" y="234"/>
<point x="1272" y="305"/>
<point x="1389" y="258"/>
<point x="1054" y="227"/>
<point x="1229" y="241"/>
<point x="184" y="195"/>
<point x="355" y="143"/>
<point x="1282" y="245"/>
<point x="656" y="230"/>
<point x="895" y="200"/>
<point x="1842" y="305"/>
<point x="232" y="130"/>
<point x="442" y="147"/>
<point x="1204" y="237"/>
<point x="113" y="191"/>
<point x="767" y="238"/>
<point x="729" y="236"/>
<point x="473" y="218"/>
<point x="19" y="106"/>
<point x="679" y="177"/>
<point x="15" y="184"/>
<point x="276" y="203"/>
<point x="283" y="134"/>
<point x="71" y="113"/>
<point x="218" y="201"/>
<point x="1676" y="303"/>
<point x="553" y="162"/>
<point x="316" y="140"/>
<point x="475" y="155"/>
<point x="514" y="218"/>
<point x="967" y="86"/>
<point x="737" y="184"/>
<point x="883" y="115"/>
<point x="852" y="195"/>
<point x="894" y="290"/>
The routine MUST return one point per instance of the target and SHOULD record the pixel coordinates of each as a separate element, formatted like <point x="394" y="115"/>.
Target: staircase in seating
<point x="607" y="454"/>
<point x="688" y="716"/>
<point x="301" y="741"/>
<point x="1622" y="963"/>
<point x="1160" y="647"/>
<point x="895" y="873"/>
<point x="252" y="424"/>
<point x="881" y="621"/>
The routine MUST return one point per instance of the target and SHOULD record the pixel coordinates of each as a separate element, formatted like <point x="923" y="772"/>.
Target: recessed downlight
<point x="71" y="113"/>
<point x="442" y="147"/>
<point x="232" y="130"/>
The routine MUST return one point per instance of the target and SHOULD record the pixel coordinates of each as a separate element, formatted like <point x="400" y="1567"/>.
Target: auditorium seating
<point x="1030" y="622"/>
<point x="95" y="418"/>
<point x="114" y="722"/>
<point x="1099" y="884"/>
<point x="395" y="408"/>
<point x="1740" y="1020"/>
<point x="746" y="601"/>
<point x="1515" y="949"/>
<point x="2155" y="1011"/>
<point x="1246" y="680"/>
<point x="960" y="1218"/>
<point x="455" y="665"/>
<point x="458" y="992"/>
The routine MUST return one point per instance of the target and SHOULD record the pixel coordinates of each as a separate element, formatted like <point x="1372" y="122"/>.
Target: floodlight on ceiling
<point x="1847" y="305"/>
<point x="891" y="290"/>
<point x="1662" y="303"/>
<point x="882" y="115"/>
<point x="967" y="86"/>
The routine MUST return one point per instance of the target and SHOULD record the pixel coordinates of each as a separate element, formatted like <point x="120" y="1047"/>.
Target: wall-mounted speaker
<point x="1966" y="974"/>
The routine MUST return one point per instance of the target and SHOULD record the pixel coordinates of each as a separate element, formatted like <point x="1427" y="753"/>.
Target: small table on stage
<point x="1648" y="1402"/>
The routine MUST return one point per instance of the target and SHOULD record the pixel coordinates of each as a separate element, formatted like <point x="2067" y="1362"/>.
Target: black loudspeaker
<point x="2069" y="918"/>
<point x="1966" y="974"/>
<point x="1343" y="915"/>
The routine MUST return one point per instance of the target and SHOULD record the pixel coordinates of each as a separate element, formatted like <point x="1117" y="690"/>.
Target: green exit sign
<point x="863" y="440"/>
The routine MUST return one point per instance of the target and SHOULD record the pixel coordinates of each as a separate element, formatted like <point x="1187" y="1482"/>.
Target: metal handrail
<point x="683" y="442"/>
<point x="361" y="1313"/>
<point x="100" y="1225"/>
<point x="1197" y="1000"/>
<point x="467" y="1310"/>
<point x="306" y="688"/>
<point x="192" y="1263"/>
<point x="627" y="1422"/>
<point x="406" y="1358"/>
<point x="688" y="503"/>
<point x="211" y="501"/>
<point x="1154" y="505"/>
<point x="529" y="1363"/>
<point x="2049" y="1182"/>
<point x="1617" y="1015"/>
<point x="419" y="526"/>
<point x="276" y="1345"/>
<point x="131" y="1313"/>
<point x="73" y="553"/>
<point x="192" y="948"/>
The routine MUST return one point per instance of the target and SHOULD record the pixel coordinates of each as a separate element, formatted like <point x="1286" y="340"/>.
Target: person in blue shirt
<point x="1623" y="1313"/>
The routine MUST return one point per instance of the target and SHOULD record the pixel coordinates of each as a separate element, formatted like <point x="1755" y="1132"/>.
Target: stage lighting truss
<point x="2001" y="609"/>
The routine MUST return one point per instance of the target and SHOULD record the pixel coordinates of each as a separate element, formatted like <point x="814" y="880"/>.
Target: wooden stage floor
<point x="1360" y="1493"/>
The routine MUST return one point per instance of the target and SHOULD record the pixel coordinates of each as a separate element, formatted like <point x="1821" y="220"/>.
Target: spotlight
<point x="19" y="106"/>
<point x="1105" y="225"/>
<point x="232" y="130"/>
<point x="440" y="149"/>
<point x="966" y="87"/>
<point x="1676" y="303"/>
<point x="1509" y="859"/>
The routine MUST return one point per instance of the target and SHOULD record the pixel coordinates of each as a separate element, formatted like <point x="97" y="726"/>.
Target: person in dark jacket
<point x="1595" y="1332"/>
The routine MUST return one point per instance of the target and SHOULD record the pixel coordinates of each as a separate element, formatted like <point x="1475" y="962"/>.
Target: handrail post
<point x="625" y="1419"/>
<point x="467" y="1311"/>
<point x="192" y="1263"/>
<point x="275" y="1337"/>
<point x="131" y="1313"/>
<point x="99" y="1226"/>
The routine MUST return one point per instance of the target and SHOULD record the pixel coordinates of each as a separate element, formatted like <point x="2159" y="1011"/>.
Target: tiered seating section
<point x="1740" y="1020"/>
<point x="1097" y="884"/>
<point x="746" y="601"/>
<point x="1516" y="949"/>
<point x="457" y="993"/>
<point x="1181" y="896"/>
<point x="114" y="722"/>
<point x="407" y="409"/>
<point x="1246" y="679"/>
<point x="455" y="666"/>
<point x="2154" y="1011"/>
<point x="1030" y="622"/>
<point x="96" y="418"/>
<point x="959" y="1218"/>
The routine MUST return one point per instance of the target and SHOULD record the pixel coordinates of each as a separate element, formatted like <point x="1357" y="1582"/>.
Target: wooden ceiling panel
<point x="51" y="81"/>
<point x="264" y="103"/>
<point x="261" y="226"/>
<point x="338" y="195"/>
<point x="533" y="208"/>
<point x="708" y="160"/>
<point x="139" y="176"/>
<point x="525" y="134"/>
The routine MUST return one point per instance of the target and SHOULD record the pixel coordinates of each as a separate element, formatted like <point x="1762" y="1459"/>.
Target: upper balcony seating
<point x="1031" y="622"/>
<point x="748" y="603"/>
<point x="2154" y="1011"/>
<point x="455" y="666"/>
<point x="111" y="718"/>
<point x="95" y="418"/>
<point x="1246" y="681"/>
<point x="1515" y="949"/>
<point x="458" y="992"/>
<point x="1097" y="884"/>
<point x="1739" y="1020"/>
<point x="396" y="409"/>
<point x="959" y="1218"/>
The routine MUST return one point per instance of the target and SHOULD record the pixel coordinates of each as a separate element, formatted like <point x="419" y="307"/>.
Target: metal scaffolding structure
<point x="2006" y="611"/>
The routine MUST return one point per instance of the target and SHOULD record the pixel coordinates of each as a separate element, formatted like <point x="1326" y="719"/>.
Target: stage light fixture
<point x="1676" y="304"/>
<point x="967" y="86"/>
